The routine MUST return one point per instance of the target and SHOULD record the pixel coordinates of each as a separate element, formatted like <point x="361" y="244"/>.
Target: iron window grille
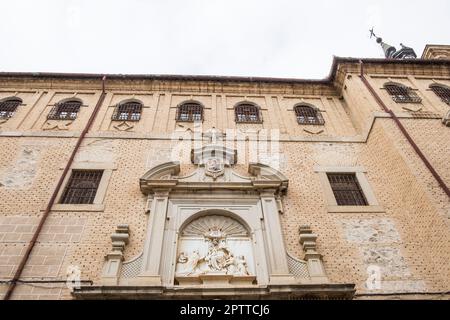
<point x="129" y="111"/>
<point x="402" y="94"/>
<point x="346" y="189"/>
<point x="189" y="112"/>
<point x="308" y="115"/>
<point x="82" y="187"/>
<point x="9" y="107"/>
<point x="442" y="92"/>
<point x="65" y="111"/>
<point x="247" y="113"/>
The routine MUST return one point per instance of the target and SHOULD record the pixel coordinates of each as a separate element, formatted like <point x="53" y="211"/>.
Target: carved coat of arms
<point x="214" y="167"/>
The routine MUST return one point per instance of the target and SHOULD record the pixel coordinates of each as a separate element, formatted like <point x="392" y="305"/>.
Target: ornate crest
<point x="214" y="167"/>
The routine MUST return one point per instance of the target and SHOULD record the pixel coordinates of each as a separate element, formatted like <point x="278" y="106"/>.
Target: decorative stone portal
<point x="215" y="250"/>
<point x="213" y="233"/>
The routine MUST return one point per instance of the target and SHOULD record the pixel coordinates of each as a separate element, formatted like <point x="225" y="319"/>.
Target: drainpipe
<point x="52" y="200"/>
<point x="403" y="130"/>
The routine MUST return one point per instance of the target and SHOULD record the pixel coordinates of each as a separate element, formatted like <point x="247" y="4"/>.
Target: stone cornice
<point x="221" y="84"/>
<point x="164" y="177"/>
<point x="305" y="291"/>
<point x="436" y="51"/>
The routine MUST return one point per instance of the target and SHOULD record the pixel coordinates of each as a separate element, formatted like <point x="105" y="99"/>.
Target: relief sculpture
<point x="219" y="258"/>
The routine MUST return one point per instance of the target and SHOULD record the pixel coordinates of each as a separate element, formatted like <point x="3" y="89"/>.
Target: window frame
<point x="10" y="114"/>
<point x="98" y="204"/>
<point x="360" y="173"/>
<point x="247" y="104"/>
<point x="319" y="120"/>
<point x="357" y="194"/>
<point x="55" y="113"/>
<point x="408" y="96"/>
<point x="70" y="188"/>
<point x="446" y="99"/>
<point x="116" y="114"/>
<point x="190" y="118"/>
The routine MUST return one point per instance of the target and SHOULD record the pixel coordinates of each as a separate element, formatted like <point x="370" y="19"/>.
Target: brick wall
<point x="409" y="241"/>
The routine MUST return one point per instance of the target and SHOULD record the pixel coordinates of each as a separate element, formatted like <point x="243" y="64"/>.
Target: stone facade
<point x="401" y="240"/>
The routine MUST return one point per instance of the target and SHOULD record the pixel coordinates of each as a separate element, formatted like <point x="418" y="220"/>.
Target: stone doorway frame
<point x="176" y="200"/>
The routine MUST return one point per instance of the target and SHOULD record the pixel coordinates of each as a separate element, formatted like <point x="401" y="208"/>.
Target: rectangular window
<point x="82" y="187"/>
<point x="346" y="189"/>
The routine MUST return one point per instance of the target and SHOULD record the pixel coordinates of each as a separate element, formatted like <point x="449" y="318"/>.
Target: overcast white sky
<point x="276" y="38"/>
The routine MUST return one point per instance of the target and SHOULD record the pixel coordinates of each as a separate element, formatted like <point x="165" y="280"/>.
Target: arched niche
<point x="215" y="247"/>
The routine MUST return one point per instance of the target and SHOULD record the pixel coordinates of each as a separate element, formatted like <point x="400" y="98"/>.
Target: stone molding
<point x="165" y="176"/>
<point x="313" y="258"/>
<point x="114" y="260"/>
<point x="269" y="292"/>
<point x="360" y="172"/>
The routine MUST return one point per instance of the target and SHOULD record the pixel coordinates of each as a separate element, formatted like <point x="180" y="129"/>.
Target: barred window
<point x="442" y="92"/>
<point x="128" y="111"/>
<point x="308" y="115"/>
<point x="82" y="187"/>
<point x="190" y="112"/>
<point x="65" y="110"/>
<point x="8" y="107"/>
<point x="247" y="113"/>
<point x="346" y="189"/>
<point x="402" y="94"/>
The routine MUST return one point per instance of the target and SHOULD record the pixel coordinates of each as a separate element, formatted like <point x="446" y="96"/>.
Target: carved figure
<point x="218" y="259"/>
<point x="190" y="263"/>
<point x="241" y="266"/>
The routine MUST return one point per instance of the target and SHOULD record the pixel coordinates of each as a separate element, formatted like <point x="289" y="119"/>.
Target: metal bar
<point x="247" y="113"/>
<point x="308" y="115"/>
<point x="441" y="92"/>
<point x="190" y="112"/>
<point x="9" y="107"/>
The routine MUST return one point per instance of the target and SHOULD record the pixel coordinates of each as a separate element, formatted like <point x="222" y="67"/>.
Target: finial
<point x="372" y="34"/>
<point x="391" y="52"/>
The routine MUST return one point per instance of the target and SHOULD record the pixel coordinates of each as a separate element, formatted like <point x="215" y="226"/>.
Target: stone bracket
<point x="114" y="260"/>
<point x="312" y="257"/>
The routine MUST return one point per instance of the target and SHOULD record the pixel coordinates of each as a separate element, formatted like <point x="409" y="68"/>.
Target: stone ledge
<point x="271" y="292"/>
<point x="216" y="280"/>
<point x="77" y="208"/>
<point x="356" y="209"/>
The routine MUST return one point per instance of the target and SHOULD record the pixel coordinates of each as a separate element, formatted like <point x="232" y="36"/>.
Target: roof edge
<point x="331" y="77"/>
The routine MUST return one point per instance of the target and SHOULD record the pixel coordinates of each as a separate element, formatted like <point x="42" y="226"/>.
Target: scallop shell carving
<point x="202" y="226"/>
